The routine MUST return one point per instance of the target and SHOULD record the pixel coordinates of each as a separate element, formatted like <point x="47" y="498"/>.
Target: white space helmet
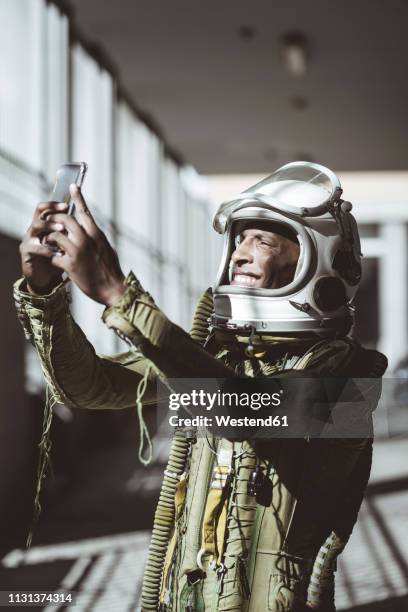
<point x="304" y="199"/>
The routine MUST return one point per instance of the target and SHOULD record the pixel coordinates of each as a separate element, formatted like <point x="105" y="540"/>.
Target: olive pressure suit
<point x="256" y="557"/>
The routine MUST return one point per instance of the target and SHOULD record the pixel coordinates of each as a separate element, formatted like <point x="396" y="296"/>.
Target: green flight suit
<point x="270" y="561"/>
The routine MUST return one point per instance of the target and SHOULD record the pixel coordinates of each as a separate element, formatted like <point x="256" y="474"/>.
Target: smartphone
<point x="67" y="174"/>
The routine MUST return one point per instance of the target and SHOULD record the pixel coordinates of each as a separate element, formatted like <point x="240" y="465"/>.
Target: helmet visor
<point x="299" y="188"/>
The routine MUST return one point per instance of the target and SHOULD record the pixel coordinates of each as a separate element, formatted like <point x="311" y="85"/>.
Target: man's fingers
<point x="34" y="247"/>
<point x="62" y="241"/>
<point x="79" y="201"/>
<point x="43" y="227"/>
<point x="76" y="233"/>
<point x="42" y="206"/>
<point x="59" y="260"/>
<point x="83" y="212"/>
<point x="45" y="208"/>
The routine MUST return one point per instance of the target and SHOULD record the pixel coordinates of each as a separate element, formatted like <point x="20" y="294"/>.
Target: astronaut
<point x="241" y="524"/>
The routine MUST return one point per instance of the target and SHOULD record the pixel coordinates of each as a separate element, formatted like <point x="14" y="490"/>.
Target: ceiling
<point x="211" y="75"/>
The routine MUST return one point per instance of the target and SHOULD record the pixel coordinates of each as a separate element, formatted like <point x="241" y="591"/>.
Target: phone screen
<point x="67" y="174"/>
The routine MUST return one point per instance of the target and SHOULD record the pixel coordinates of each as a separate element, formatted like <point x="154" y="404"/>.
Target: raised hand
<point x="36" y="258"/>
<point x="85" y="254"/>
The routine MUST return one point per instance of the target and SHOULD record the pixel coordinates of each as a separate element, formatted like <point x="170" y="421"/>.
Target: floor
<point x="106" y="570"/>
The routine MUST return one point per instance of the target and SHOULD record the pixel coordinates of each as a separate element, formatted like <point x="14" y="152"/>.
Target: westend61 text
<point x="228" y="421"/>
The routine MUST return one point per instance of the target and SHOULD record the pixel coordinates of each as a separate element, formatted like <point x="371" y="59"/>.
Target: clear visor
<point x="299" y="188"/>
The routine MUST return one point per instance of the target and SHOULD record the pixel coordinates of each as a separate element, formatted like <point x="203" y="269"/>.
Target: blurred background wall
<point x="59" y="102"/>
<point x="176" y="107"/>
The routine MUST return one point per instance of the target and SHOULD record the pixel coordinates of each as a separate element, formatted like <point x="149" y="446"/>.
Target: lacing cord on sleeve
<point x="44" y="459"/>
<point x="144" y="432"/>
<point x="140" y="391"/>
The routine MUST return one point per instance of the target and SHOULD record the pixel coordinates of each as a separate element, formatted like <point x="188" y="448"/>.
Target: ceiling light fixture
<point x="299" y="103"/>
<point x="246" y="32"/>
<point x="294" y="51"/>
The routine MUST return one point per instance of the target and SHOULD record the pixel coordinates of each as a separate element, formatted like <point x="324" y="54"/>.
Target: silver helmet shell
<point x="305" y="198"/>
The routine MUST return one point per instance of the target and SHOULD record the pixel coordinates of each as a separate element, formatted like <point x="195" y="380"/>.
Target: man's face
<point x="263" y="259"/>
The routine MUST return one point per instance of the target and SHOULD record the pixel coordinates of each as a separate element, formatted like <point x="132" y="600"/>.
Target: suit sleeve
<point x="173" y="351"/>
<point x="77" y="376"/>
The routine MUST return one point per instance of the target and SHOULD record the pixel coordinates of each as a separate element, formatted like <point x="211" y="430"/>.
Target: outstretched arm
<point x="76" y="375"/>
<point x="91" y="263"/>
<point x="79" y="377"/>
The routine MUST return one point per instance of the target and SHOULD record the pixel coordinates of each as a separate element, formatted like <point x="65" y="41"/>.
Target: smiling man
<point x="264" y="259"/>
<point x="253" y="524"/>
